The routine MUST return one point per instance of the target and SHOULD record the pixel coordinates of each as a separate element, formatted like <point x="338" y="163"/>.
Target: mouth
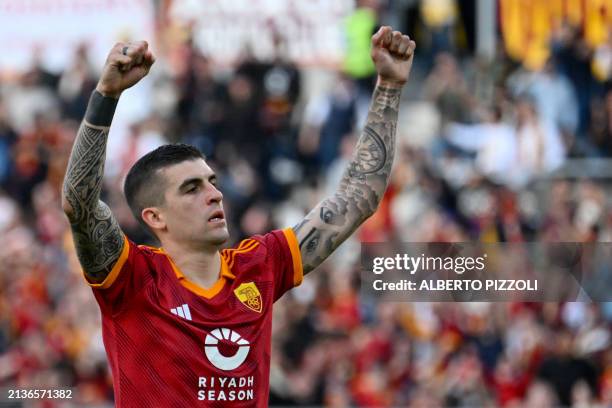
<point x="217" y="216"/>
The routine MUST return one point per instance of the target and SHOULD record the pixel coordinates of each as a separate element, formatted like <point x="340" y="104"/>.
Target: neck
<point x="201" y="266"/>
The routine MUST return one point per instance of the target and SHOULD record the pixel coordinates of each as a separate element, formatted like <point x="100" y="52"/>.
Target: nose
<point x="213" y="194"/>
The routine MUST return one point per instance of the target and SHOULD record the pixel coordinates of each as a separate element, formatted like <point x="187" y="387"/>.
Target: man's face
<point x="193" y="209"/>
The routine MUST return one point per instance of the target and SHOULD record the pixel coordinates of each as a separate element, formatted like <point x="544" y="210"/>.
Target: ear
<point x="154" y="218"/>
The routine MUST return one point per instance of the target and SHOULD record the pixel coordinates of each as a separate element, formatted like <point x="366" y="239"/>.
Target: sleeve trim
<point x="114" y="273"/>
<point x="296" y="256"/>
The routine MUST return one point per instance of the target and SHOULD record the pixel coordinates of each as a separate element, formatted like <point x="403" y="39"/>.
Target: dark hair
<point x="143" y="187"/>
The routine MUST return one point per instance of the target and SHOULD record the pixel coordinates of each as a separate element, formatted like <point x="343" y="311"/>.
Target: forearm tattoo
<point x="96" y="233"/>
<point x="361" y="188"/>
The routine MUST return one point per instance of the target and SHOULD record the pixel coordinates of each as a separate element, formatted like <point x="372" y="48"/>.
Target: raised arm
<point x="96" y="233"/>
<point x="367" y="175"/>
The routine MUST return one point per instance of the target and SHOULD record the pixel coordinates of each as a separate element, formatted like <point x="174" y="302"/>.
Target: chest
<point x="232" y="302"/>
<point x="232" y="328"/>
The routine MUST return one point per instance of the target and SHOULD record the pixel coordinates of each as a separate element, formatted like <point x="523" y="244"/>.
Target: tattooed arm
<point x="367" y="175"/>
<point x="96" y="233"/>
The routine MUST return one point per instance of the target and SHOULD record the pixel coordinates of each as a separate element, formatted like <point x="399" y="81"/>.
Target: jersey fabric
<point x="172" y="343"/>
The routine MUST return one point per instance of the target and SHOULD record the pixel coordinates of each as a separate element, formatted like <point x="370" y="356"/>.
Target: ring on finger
<point x="124" y="50"/>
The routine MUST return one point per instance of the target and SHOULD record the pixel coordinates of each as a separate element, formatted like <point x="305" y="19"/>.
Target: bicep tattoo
<point x="99" y="242"/>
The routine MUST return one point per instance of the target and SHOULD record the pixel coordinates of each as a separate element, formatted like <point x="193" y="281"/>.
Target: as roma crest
<point x="249" y="295"/>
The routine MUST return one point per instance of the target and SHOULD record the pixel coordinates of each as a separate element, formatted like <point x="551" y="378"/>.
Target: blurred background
<point x="505" y="135"/>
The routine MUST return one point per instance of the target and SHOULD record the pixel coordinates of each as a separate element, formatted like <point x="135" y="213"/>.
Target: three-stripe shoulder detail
<point x="229" y="255"/>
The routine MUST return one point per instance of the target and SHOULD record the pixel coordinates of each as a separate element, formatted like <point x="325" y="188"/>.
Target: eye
<point x="192" y="189"/>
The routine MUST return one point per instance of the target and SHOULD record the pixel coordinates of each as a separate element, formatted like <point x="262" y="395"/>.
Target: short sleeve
<point x="129" y="275"/>
<point x="284" y="260"/>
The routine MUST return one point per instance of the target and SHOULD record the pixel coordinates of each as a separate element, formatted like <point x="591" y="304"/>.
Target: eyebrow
<point x="196" y="180"/>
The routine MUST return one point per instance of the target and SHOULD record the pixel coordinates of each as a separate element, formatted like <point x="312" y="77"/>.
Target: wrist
<point x="107" y="93"/>
<point x="101" y="109"/>
<point x="389" y="83"/>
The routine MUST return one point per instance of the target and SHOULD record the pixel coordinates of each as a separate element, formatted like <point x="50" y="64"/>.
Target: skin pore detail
<point x="97" y="235"/>
<point x="361" y="188"/>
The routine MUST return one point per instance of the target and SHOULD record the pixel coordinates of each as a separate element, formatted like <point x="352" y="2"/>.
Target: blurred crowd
<point x="482" y="148"/>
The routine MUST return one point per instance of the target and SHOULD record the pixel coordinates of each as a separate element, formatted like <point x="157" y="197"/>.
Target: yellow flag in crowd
<point x="526" y="25"/>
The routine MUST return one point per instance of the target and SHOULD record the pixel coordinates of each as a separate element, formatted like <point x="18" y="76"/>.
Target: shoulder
<point x="153" y="256"/>
<point x="266" y="242"/>
<point x="245" y="248"/>
<point x="148" y="250"/>
<point x="262" y="248"/>
<point x="134" y="268"/>
<point x="143" y="256"/>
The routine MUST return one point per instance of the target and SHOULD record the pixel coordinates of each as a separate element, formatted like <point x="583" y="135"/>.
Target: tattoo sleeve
<point x="361" y="188"/>
<point x="96" y="233"/>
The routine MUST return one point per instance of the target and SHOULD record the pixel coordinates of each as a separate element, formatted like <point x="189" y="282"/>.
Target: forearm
<point x="367" y="175"/>
<point x="83" y="180"/>
<point x="362" y="186"/>
<point x="366" y="178"/>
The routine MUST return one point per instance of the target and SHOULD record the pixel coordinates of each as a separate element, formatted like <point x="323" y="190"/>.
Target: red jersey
<point x="172" y="343"/>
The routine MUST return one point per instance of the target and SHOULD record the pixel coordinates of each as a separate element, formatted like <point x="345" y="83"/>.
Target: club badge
<point x="249" y="295"/>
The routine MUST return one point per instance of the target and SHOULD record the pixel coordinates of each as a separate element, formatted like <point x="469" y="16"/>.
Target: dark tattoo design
<point x="327" y="215"/>
<point x="101" y="109"/>
<point x="311" y="240"/>
<point x="333" y="212"/>
<point x="361" y="188"/>
<point x="96" y="233"/>
<point x="372" y="153"/>
<point x="300" y="225"/>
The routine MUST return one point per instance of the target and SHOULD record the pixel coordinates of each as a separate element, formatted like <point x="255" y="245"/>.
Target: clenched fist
<point x="392" y="53"/>
<point x="126" y="64"/>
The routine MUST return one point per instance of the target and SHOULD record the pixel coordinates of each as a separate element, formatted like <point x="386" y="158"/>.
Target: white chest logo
<point x="217" y="359"/>
<point x="182" y="310"/>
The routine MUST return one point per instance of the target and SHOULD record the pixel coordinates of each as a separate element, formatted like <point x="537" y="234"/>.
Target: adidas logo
<point x="182" y="311"/>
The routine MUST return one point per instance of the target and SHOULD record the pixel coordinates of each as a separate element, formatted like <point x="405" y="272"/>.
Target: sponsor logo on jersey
<point x="249" y="295"/>
<point x="226" y="363"/>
